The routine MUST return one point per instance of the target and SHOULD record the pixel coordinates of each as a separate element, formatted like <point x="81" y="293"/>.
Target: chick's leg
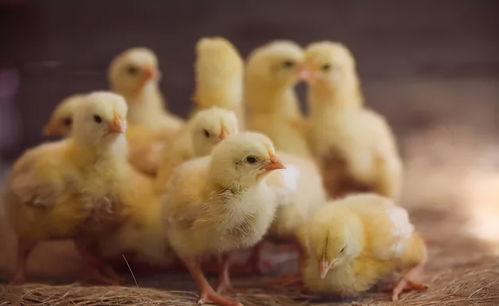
<point x="407" y="282"/>
<point x="24" y="248"/>
<point x="100" y="271"/>
<point x="224" y="283"/>
<point x="206" y="292"/>
<point x="256" y="261"/>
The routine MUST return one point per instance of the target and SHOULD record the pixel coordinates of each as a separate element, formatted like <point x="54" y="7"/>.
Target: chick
<point x="135" y="74"/>
<point x="271" y="73"/>
<point x="217" y="204"/>
<point x="61" y="120"/>
<point x="354" y="146"/>
<point x="68" y="188"/>
<point x="353" y="243"/>
<point x="197" y="138"/>
<point x="219" y="76"/>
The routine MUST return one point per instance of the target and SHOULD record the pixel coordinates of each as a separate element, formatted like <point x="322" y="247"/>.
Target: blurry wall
<point x="420" y="61"/>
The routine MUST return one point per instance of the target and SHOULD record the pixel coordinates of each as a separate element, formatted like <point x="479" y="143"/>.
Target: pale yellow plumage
<point x="134" y="74"/>
<point x="219" y="76"/>
<point x="197" y="138"/>
<point x="354" y="146"/>
<point x="353" y="243"/>
<point x="217" y="204"/>
<point x="71" y="188"/>
<point x="61" y="120"/>
<point x="272" y="106"/>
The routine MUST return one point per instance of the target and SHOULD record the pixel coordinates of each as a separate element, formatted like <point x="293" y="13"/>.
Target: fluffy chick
<point x="353" y="243"/>
<point x="219" y="76"/>
<point x="67" y="188"/>
<point x="197" y="138"/>
<point x="271" y="73"/>
<point x="134" y="74"/>
<point x="217" y="204"/>
<point x="354" y="146"/>
<point x="61" y="120"/>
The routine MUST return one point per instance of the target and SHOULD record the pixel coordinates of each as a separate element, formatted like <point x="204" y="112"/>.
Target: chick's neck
<point x="143" y="101"/>
<point x="225" y="94"/>
<point x="112" y="154"/>
<point x="324" y="95"/>
<point x="268" y="98"/>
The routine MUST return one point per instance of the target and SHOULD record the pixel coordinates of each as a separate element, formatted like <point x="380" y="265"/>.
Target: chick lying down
<point x="354" y="243"/>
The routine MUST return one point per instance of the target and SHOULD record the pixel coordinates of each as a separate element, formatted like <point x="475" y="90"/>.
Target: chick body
<point x="219" y="76"/>
<point x="354" y="146"/>
<point x="134" y="74"/>
<point x="355" y="242"/>
<point x="272" y="106"/>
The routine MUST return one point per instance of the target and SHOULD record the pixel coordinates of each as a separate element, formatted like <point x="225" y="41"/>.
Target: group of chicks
<point x="131" y="178"/>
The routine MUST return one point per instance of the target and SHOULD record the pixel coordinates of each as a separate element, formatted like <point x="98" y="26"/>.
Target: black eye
<point x="251" y="159"/>
<point x="326" y="67"/>
<point x="67" y="121"/>
<point x="206" y="133"/>
<point x="343" y="249"/>
<point x="288" y="64"/>
<point x="132" y="70"/>
<point x="97" y="119"/>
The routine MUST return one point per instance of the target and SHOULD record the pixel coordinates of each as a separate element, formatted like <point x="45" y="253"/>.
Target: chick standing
<point x="68" y="188"/>
<point x="353" y="243"/>
<point x="272" y="105"/>
<point x="135" y="74"/>
<point x="197" y="138"/>
<point x="354" y="146"/>
<point x="217" y="204"/>
<point x="219" y="76"/>
<point x="61" y="120"/>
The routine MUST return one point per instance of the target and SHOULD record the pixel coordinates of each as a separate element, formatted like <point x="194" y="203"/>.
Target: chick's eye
<point x="343" y="249"/>
<point x="251" y="159"/>
<point x="206" y="133"/>
<point x="67" y="121"/>
<point x="97" y="119"/>
<point x="326" y="67"/>
<point x="132" y="70"/>
<point x="288" y="64"/>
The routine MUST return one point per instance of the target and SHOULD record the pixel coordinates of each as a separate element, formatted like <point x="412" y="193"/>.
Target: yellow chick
<point x="135" y="74"/>
<point x="69" y="188"/>
<point x="61" y="120"/>
<point x="272" y="106"/>
<point x="354" y="146"/>
<point x="219" y="76"/>
<point x="198" y="137"/>
<point x="353" y="243"/>
<point x="220" y="203"/>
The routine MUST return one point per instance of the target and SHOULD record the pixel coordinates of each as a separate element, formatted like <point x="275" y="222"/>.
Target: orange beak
<point x="150" y="73"/>
<point x="305" y="73"/>
<point x="324" y="267"/>
<point x="118" y="125"/>
<point x="274" y="164"/>
<point x="51" y="129"/>
<point x="223" y="134"/>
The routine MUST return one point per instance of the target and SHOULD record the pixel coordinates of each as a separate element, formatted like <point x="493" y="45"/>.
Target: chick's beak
<point x="52" y="129"/>
<point x="324" y="267"/>
<point x="118" y="125"/>
<point x="305" y="73"/>
<point x="274" y="164"/>
<point x="150" y="73"/>
<point x="223" y="134"/>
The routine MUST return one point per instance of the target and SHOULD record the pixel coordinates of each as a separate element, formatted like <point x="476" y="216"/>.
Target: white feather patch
<point x="402" y="228"/>
<point x="291" y="175"/>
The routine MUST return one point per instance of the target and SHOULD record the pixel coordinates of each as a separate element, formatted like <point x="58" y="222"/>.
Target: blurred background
<point x="431" y="67"/>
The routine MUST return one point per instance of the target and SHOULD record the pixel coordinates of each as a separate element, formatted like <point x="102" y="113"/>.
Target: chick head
<point x="242" y="160"/>
<point x="210" y="126"/>
<point x="133" y="69"/>
<point x="335" y="239"/>
<point x="100" y="117"/>
<point x="328" y="63"/>
<point x="61" y="121"/>
<point x="277" y="63"/>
